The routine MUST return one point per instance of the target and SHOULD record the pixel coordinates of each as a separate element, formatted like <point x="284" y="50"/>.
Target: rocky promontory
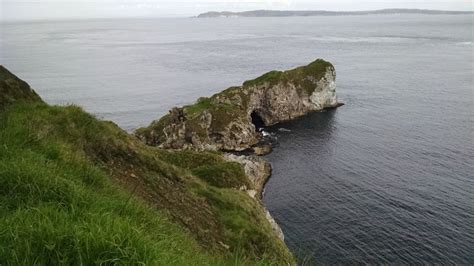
<point x="230" y="120"/>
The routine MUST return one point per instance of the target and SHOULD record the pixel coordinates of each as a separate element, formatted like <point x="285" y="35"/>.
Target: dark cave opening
<point x="257" y="120"/>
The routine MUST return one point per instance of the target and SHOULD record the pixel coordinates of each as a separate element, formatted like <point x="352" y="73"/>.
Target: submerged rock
<point x="262" y="149"/>
<point x="230" y="120"/>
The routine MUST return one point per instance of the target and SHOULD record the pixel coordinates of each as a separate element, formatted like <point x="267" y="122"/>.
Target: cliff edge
<point x="229" y="120"/>
<point x="78" y="190"/>
<point x="13" y="89"/>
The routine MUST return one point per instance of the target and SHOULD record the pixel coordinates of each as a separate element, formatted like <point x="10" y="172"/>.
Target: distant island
<point x="280" y="13"/>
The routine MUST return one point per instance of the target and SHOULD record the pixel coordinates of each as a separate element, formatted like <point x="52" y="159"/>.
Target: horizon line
<point x="345" y="11"/>
<point x="194" y="15"/>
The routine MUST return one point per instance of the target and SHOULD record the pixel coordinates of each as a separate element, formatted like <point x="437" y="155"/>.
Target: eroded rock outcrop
<point x="229" y="120"/>
<point x="257" y="169"/>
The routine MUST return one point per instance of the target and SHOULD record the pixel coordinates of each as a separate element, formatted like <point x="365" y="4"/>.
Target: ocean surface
<point x="387" y="178"/>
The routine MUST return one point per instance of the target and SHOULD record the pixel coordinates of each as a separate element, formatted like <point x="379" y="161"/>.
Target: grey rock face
<point x="229" y="120"/>
<point x="258" y="171"/>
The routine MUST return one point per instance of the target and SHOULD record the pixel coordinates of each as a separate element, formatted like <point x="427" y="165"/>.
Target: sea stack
<point x="230" y="120"/>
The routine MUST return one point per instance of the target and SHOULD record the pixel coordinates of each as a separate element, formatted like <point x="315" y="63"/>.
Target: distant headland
<point x="280" y="13"/>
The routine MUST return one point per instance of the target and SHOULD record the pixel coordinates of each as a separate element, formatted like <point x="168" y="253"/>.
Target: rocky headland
<point x="230" y="120"/>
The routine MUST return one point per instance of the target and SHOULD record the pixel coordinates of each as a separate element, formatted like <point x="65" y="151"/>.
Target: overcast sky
<point x="59" y="9"/>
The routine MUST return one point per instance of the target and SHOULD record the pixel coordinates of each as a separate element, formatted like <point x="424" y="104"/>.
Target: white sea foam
<point x="464" y="43"/>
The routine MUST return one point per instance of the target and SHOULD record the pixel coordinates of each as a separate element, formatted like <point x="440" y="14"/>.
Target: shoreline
<point x="252" y="164"/>
<point x="259" y="179"/>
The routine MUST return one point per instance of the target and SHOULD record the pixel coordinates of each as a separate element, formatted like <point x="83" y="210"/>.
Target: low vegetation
<point x="77" y="190"/>
<point x="298" y="76"/>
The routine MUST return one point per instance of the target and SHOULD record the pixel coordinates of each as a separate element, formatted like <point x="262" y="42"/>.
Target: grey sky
<point x="59" y="9"/>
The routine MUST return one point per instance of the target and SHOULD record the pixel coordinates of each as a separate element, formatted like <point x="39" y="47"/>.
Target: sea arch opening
<point x="257" y="120"/>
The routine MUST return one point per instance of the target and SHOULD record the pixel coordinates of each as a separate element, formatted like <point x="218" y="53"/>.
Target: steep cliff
<point x="78" y="190"/>
<point x="229" y="120"/>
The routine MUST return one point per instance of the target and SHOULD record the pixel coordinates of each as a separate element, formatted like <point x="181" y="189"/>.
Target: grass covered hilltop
<point x="78" y="190"/>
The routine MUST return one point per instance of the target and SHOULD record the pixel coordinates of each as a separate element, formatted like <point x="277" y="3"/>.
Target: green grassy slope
<point x="77" y="190"/>
<point x="13" y="89"/>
